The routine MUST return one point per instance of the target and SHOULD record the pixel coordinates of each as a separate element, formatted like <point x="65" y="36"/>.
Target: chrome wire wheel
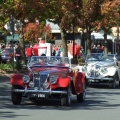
<point x="66" y="100"/>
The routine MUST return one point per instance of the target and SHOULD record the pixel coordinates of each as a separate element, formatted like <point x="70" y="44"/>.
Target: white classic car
<point x="101" y="68"/>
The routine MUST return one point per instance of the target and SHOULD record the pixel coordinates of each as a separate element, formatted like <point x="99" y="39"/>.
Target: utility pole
<point x="13" y="32"/>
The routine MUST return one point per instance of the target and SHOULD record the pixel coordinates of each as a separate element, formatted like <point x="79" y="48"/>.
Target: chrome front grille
<point x="93" y="73"/>
<point x="39" y="79"/>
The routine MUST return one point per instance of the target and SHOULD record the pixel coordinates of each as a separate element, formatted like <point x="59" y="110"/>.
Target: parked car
<point x="49" y="78"/>
<point x="101" y="68"/>
<point x="7" y="55"/>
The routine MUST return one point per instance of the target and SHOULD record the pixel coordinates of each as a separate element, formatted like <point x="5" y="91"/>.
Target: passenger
<point x="99" y="50"/>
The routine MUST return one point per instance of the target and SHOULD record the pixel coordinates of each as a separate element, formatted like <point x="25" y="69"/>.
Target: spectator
<point x="57" y="52"/>
<point x="99" y="50"/>
<point x="29" y="51"/>
<point x="94" y="49"/>
<point x="102" y="47"/>
<point x="17" y="53"/>
<point x="53" y="50"/>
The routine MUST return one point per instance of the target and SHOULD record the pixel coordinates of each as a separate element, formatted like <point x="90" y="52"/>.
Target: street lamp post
<point x="13" y="31"/>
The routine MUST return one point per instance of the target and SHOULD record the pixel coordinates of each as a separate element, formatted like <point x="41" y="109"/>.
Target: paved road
<point x="101" y="104"/>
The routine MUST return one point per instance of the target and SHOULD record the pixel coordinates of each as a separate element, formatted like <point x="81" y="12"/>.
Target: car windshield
<point x="49" y="61"/>
<point x="100" y="57"/>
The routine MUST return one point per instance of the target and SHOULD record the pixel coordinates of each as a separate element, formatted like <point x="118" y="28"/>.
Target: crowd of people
<point x="56" y="50"/>
<point x="99" y="48"/>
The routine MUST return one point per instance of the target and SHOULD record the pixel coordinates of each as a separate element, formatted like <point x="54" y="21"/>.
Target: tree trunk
<point x="88" y="40"/>
<point x="64" y="43"/>
<point x="22" y="44"/>
<point x="105" y="42"/>
<point x="22" y="48"/>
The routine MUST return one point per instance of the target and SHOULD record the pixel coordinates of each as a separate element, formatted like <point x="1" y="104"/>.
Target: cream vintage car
<point x="101" y="68"/>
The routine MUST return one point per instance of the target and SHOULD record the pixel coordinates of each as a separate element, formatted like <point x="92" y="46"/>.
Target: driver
<point x="41" y="60"/>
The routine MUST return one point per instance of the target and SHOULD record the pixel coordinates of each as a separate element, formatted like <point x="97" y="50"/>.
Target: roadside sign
<point x="12" y="25"/>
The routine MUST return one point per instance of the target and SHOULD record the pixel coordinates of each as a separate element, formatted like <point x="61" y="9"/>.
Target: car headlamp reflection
<point x="53" y="79"/>
<point x="26" y="78"/>
<point x="97" y="67"/>
<point x="104" y="70"/>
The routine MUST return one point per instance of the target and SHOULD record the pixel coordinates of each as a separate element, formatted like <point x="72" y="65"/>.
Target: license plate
<point x="41" y="95"/>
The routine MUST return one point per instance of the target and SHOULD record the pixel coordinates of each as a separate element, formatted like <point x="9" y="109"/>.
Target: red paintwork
<point x="16" y="79"/>
<point x="78" y="81"/>
<point x="62" y="82"/>
<point x="76" y="77"/>
<point x="35" y="49"/>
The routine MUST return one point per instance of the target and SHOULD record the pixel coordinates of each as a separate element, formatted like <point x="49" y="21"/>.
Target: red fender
<point x="64" y="82"/>
<point x="79" y="82"/>
<point x="16" y="79"/>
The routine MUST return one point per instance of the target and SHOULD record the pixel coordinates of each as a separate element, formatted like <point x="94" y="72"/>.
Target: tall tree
<point x="66" y="15"/>
<point x="90" y="14"/>
<point x="22" y="9"/>
<point x="110" y="12"/>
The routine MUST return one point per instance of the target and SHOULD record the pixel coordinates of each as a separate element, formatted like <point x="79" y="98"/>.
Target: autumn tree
<point x="33" y="31"/>
<point x="66" y="15"/>
<point x="22" y="9"/>
<point x="110" y="11"/>
<point x="90" y="14"/>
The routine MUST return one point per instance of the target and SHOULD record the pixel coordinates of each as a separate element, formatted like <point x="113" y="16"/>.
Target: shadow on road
<point x="96" y="99"/>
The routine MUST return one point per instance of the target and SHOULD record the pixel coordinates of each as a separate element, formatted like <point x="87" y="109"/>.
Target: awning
<point x="99" y="36"/>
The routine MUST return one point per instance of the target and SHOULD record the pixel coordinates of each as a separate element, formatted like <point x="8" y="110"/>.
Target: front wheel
<point x="66" y="100"/>
<point x="81" y="96"/>
<point x="16" y="97"/>
<point x="113" y="84"/>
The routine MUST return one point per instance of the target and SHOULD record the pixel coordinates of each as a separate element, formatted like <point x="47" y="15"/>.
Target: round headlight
<point x="31" y="84"/>
<point x="104" y="70"/>
<point x="45" y="85"/>
<point x="53" y="79"/>
<point x="97" y="67"/>
<point x="26" y="78"/>
<point x="84" y="68"/>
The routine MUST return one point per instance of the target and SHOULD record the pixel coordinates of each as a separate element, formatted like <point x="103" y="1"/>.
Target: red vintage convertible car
<point x="49" y="78"/>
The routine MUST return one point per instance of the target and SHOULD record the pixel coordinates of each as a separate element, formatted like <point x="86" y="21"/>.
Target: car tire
<point x="16" y="97"/>
<point x="113" y="84"/>
<point x="66" y="100"/>
<point x="81" y="96"/>
<point x="119" y="83"/>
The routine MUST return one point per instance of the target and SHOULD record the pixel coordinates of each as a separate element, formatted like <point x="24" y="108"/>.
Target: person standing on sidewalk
<point x="17" y="53"/>
<point x="29" y="52"/>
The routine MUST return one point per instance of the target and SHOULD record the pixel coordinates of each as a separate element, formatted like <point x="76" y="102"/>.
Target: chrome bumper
<point x="100" y="79"/>
<point x="50" y="91"/>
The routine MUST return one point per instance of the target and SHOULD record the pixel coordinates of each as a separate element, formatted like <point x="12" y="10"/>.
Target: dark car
<point x="7" y="55"/>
